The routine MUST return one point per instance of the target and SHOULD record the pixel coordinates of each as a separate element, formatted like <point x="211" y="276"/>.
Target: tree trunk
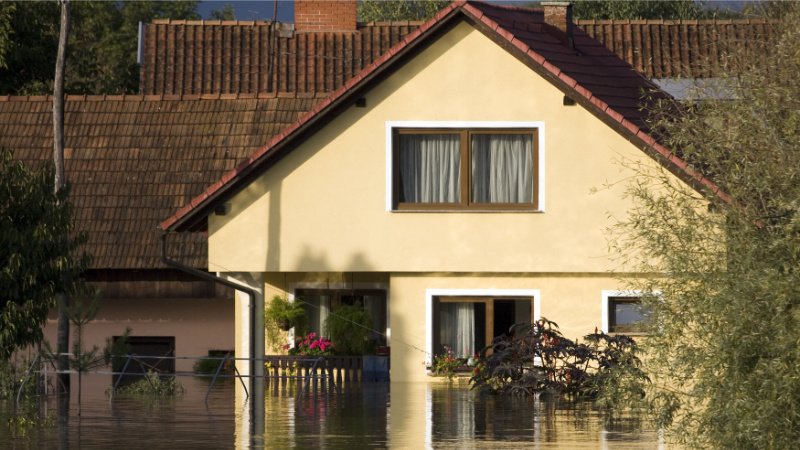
<point x="58" y="159"/>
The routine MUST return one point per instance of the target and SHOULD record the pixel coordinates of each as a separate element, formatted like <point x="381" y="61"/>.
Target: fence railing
<point x="345" y="369"/>
<point x="312" y="370"/>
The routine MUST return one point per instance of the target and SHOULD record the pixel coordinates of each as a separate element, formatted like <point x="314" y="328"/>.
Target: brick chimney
<point x="321" y="15"/>
<point x="559" y="15"/>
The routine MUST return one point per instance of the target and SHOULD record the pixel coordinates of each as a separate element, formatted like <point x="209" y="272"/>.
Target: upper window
<point x="464" y="169"/>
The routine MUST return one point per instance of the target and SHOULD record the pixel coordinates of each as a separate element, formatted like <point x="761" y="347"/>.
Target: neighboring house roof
<point x="678" y="48"/>
<point x="133" y="160"/>
<point x="590" y="74"/>
<point x="196" y="57"/>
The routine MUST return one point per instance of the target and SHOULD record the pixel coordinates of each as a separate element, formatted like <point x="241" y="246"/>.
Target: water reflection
<point x="368" y="415"/>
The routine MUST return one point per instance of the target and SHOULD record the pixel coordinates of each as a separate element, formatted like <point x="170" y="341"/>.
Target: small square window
<point x="627" y="315"/>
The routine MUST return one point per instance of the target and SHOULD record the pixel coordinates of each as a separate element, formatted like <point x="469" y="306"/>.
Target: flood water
<point x="399" y="415"/>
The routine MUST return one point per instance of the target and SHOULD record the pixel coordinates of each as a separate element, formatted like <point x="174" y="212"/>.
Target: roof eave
<point x="639" y="137"/>
<point x="194" y="216"/>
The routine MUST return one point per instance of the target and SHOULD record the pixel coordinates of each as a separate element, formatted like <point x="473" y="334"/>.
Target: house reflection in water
<point x="430" y="415"/>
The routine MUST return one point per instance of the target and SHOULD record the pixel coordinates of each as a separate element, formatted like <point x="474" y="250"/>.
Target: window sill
<point x="631" y="334"/>
<point x="462" y="211"/>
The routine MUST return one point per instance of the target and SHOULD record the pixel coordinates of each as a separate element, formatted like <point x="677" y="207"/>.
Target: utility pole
<point x="58" y="160"/>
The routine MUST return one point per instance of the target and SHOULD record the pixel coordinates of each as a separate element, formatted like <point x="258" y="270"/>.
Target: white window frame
<point x="431" y="293"/>
<point x="392" y="125"/>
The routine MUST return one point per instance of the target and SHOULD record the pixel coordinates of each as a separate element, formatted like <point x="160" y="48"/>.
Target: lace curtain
<point x="502" y="168"/>
<point x="430" y="167"/>
<point x="317" y="312"/>
<point x="457" y="327"/>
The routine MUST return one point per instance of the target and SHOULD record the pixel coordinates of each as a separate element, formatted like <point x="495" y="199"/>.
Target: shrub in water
<point x="153" y="385"/>
<point x="210" y="366"/>
<point x="537" y="359"/>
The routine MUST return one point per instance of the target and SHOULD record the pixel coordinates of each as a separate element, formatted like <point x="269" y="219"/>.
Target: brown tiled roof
<point x="133" y="160"/>
<point x="667" y="49"/>
<point x="590" y="74"/>
<point x="196" y="57"/>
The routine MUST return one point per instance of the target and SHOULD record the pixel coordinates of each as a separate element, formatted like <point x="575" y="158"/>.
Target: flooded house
<point x="448" y="175"/>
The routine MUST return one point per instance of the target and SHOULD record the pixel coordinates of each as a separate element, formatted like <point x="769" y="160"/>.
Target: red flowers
<point x="311" y="345"/>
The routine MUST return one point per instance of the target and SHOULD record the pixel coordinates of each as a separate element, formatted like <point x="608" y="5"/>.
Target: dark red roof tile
<point x="133" y="161"/>
<point x="243" y="57"/>
<point x="666" y="49"/>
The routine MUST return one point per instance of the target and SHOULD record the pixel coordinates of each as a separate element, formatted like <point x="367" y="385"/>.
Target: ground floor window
<point x="623" y="312"/>
<point x="467" y="324"/>
<point x="626" y="315"/>
<point x="152" y="354"/>
<point x="319" y="303"/>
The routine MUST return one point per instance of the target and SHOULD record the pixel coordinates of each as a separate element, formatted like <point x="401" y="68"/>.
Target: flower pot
<point x="284" y="324"/>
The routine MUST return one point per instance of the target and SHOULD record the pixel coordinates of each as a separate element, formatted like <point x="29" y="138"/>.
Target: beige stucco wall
<point x="573" y="301"/>
<point x="323" y="207"/>
<point x="198" y="325"/>
<point x="321" y="211"/>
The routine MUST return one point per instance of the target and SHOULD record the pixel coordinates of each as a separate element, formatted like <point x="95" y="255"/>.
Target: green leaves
<point x="604" y="10"/>
<point x="537" y="359"/>
<point x="38" y="257"/>
<point x="387" y="10"/>
<point x="726" y="273"/>
<point x="102" y="50"/>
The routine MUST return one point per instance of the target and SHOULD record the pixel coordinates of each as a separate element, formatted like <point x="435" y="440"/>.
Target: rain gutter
<point x="216" y="279"/>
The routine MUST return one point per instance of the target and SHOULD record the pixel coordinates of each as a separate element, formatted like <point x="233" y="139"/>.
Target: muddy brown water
<point x="367" y="415"/>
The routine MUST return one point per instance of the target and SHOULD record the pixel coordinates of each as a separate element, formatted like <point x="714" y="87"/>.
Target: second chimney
<point x="559" y="15"/>
<point x="314" y="15"/>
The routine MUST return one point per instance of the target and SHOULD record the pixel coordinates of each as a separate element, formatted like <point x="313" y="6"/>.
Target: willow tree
<point x="386" y="10"/>
<point x="724" y="301"/>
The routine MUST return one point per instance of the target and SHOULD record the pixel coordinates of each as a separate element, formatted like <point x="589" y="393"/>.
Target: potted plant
<point x="350" y="329"/>
<point x="281" y="315"/>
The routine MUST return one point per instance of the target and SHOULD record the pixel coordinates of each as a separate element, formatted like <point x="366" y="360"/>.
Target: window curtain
<point x="317" y="309"/>
<point x="502" y="168"/>
<point x="373" y="306"/>
<point x="457" y="327"/>
<point x="430" y="166"/>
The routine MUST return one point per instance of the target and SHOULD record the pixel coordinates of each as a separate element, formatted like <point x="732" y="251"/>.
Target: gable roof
<point x="589" y="73"/>
<point x="200" y="57"/>
<point x="678" y="48"/>
<point x="132" y="160"/>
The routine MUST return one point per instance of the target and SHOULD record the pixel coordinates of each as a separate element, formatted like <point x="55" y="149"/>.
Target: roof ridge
<point x="580" y="22"/>
<point x="216" y="22"/>
<point x="211" y="22"/>
<point x="384" y="23"/>
<point x="166" y="97"/>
